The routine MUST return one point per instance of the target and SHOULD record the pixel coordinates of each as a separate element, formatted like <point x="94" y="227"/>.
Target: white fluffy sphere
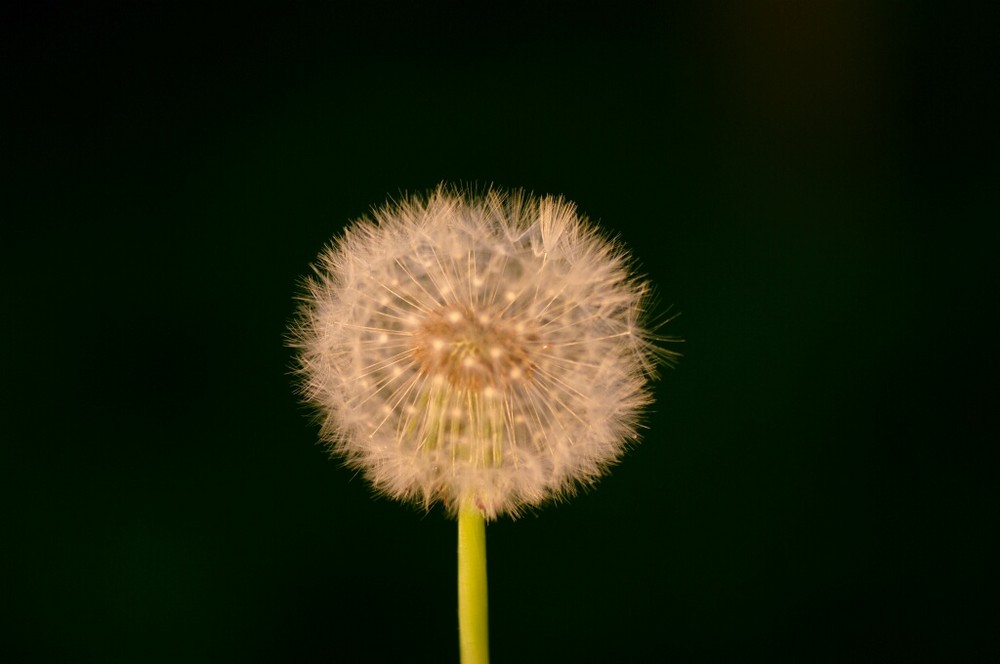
<point x="476" y="349"/>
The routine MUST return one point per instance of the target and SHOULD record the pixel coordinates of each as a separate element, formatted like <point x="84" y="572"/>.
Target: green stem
<point x="473" y="624"/>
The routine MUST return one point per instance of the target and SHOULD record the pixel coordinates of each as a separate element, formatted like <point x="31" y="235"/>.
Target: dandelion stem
<point x="473" y="623"/>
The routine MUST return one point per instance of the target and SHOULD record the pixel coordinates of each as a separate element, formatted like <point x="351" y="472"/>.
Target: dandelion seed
<point x="485" y="350"/>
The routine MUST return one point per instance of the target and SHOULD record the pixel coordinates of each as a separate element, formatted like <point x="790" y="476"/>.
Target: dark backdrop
<point x="812" y="185"/>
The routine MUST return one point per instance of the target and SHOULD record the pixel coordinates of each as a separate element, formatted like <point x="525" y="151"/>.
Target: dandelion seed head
<point x="476" y="348"/>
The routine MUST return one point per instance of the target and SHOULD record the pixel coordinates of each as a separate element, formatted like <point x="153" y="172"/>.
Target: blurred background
<point x="813" y="186"/>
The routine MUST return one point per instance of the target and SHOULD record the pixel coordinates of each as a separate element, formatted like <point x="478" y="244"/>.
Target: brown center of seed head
<point x="474" y="350"/>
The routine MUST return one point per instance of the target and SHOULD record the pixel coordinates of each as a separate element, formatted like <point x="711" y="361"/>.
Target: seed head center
<point x="473" y="350"/>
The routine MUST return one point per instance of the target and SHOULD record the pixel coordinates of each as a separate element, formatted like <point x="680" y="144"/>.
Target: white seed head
<point x="484" y="349"/>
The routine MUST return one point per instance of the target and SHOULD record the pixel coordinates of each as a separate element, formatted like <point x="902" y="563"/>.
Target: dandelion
<point x="485" y="352"/>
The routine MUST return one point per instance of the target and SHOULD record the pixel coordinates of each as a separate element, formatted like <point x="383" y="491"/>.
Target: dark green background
<point x="812" y="185"/>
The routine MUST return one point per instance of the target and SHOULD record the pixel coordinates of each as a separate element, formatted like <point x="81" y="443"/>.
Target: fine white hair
<point x="485" y="349"/>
